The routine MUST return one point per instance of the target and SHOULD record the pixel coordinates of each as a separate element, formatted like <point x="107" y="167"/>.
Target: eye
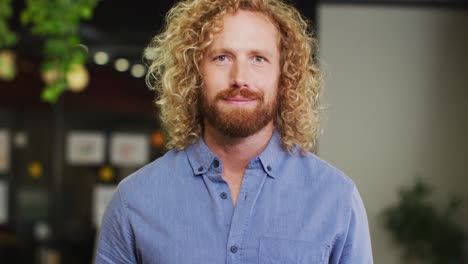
<point x="259" y="59"/>
<point x="221" y="58"/>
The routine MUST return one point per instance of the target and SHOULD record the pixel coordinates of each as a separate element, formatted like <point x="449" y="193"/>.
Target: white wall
<point x="396" y="92"/>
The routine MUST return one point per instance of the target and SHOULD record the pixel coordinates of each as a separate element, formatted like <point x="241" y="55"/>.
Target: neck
<point x="236" y="152"/>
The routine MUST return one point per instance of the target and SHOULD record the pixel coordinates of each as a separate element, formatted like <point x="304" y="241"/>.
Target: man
<point x="237" y="90"/>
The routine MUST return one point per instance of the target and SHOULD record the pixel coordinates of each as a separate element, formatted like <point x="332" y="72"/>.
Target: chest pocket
<point x="282" y="251"/>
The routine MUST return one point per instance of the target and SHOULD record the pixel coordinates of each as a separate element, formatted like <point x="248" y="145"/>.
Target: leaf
<point x="58" y="22"/>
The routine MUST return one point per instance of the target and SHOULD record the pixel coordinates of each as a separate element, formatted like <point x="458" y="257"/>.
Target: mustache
<point x="244" y="92"/>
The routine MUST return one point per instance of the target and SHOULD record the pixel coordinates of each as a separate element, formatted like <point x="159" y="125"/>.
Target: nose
<point x="239" y="75"/>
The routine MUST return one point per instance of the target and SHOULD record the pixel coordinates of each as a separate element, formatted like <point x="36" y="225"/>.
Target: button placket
<point x="238" y="236"/>
<point x="239" y="220"/>
<point x="221" y="194"/>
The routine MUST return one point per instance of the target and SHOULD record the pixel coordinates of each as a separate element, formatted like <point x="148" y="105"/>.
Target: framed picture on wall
<point x="4" y="151"/>
<point x="3" y="202"/>
<point x="85" y="148"/>
<point x="129" y="149"/>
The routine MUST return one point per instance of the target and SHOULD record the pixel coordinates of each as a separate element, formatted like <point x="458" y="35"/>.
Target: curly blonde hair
<point x="175" y="56"/>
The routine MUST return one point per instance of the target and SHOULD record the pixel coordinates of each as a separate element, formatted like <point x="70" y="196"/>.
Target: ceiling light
<point x="138" y="70"/>
<point x="121" y="65"/>
<point x="101" y="58"/>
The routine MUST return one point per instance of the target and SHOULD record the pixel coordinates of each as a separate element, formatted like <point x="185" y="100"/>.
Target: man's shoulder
<point x="317" y="171"/>
<point x="154" y="173"/>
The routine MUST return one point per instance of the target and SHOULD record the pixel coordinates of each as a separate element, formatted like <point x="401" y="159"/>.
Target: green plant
<point x="7" y="37"/>
<point x="7" y="40"/>
<point x="58" y="22"/>
<point x="426" y="233"/>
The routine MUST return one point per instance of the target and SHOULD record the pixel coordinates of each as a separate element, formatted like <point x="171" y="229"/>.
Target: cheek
<point x="211" y="87"/>
<point x="211" y="84"/>
<point x="216" y="80"/>
<point x="271" y="85"/>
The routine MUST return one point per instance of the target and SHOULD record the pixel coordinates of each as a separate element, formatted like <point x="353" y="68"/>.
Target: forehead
<point x="247" y="30"/>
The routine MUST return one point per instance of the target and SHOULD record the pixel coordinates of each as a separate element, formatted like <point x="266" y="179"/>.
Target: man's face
<point x="241" y="71"/>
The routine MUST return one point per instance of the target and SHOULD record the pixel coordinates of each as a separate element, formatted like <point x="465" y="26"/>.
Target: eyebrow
<point x="219" y="51"/>
<point x="230" y="51"/>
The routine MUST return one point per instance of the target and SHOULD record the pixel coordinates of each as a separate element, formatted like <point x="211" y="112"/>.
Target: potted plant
<point x="426" y="233"/>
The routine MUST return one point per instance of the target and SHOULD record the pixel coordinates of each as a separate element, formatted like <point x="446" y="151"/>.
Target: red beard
<point x="238" y="121"/>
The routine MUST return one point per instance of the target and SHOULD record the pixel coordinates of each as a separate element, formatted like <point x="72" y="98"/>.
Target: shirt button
<point x="233" y="249"/>
<point x="216" y="163"/>
<point x="268" y="168"/>
<point x="223" y="195"/>
<point x="200" y="168"/>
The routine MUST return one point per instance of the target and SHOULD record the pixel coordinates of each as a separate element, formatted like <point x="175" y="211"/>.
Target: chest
<point x="234" y="181"/>
<point x="204" y="227"/>
<point x="244" y="242"/>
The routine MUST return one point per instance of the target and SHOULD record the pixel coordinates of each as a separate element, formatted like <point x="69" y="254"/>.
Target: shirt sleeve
<point x="356" y="244"/>
<point x="116" y="241"/>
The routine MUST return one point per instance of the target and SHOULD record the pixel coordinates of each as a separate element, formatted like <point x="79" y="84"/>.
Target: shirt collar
<point x="273" y="155"/>
<point x="201" y="157"/>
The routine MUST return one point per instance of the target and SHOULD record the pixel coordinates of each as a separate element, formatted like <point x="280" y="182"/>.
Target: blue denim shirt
<point x="290" y="209"/>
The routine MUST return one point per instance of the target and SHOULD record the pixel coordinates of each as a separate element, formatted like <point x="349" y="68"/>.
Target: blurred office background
<point x="397" y="106"/>
<point x="395" y="110"/>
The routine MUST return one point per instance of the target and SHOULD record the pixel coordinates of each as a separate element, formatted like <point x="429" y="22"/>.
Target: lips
<point x="239" y="99"/>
